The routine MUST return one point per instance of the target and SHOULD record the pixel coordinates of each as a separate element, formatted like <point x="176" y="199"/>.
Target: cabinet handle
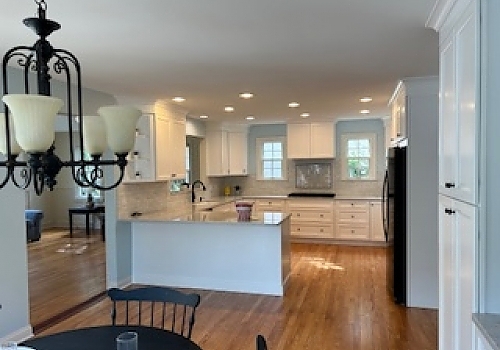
<point x="449" y="211"/>
<point x="352" y="216"/>
<point x="137" y="173"/>
<point x="298" y="229"/>
<point x="449" y="184"/>
<point x="136" y="153"/>
<point x="399" y="134"/>
<point x="320" y="215"/>
<point x="320" y="230"/>
<point x="298" y="214"/>
<point x="352" y="231"/>
<point x="174" y="175"/>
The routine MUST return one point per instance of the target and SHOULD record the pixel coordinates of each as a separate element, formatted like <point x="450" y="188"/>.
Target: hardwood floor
<point x="63" y="272"/>
<point x="336" y="299"/>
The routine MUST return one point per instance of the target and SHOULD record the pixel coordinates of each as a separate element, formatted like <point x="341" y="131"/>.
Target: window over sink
<point x="358" y="156"/>
<point x="271" y="158"/>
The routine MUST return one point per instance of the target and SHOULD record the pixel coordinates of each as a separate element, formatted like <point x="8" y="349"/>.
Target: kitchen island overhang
<point x="212" y="250"/>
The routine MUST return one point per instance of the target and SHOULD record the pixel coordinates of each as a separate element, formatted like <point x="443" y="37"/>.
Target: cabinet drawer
<point x="353" y="217"/>
<point x="315" y="216"/>
<point x="353" y="231"/>
<point x="343" y="205"/>
<point x="270" y="205"/>
<point x="312" y="204"/>
<point x="311" y="230"/>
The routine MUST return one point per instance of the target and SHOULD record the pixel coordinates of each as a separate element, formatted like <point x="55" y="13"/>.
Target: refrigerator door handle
<point x="385" y="205"/>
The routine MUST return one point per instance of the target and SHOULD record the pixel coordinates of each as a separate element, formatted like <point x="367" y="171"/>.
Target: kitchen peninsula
<point x="212" y="250"/>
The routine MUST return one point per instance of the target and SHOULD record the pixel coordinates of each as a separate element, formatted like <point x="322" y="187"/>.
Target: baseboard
<point x="18" y="336"/>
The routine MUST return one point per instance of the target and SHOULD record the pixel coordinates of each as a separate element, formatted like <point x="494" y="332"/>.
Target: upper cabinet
<point x="314" y="140"/>
<point x="227" y="150"/>
<point x="459" y="117"/>
<point x="159" y="150"/>
<point x="398" y="115"/>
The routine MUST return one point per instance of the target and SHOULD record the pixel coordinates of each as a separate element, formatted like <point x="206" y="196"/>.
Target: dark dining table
<point x="104" y="338"/>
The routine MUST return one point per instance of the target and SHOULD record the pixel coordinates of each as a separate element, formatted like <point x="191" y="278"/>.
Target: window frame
<point x="259" y="143"/>
<point x="372" y="138"/>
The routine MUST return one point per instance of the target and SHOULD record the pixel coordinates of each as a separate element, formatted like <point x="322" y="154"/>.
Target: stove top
<point x="312" y="194"/>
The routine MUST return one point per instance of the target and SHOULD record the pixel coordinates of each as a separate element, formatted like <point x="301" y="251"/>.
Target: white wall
<point x="14" y="301"/>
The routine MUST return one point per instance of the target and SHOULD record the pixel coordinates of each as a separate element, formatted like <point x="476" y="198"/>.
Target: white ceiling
<point x="324" y="54"/>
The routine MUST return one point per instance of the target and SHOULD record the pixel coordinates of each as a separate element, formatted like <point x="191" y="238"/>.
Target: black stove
<point x="312" y="194"/>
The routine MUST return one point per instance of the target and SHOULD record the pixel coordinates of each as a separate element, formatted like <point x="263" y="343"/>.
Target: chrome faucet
<point x="193" y="197"/>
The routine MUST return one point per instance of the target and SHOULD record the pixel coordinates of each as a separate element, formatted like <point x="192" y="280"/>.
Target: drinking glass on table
<point x="126" y="341"/>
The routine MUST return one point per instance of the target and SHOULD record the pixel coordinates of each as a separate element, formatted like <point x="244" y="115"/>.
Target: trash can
<point x="33" y="224"/>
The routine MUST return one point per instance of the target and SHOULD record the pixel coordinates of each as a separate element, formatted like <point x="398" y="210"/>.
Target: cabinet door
<point x="322" y="140"/>
<point x="376" y="225"/>
<point x="298" y="140"/>
<point x="448" y="142"/>
<point x="457" y="271"/>
<point x="217" y="158"/>
<point x="238" y="153"/>
<point x="399" y="114"/>
<point x="458" y="152"/>
<point x="177" y="149"/>
<point x="467" y="103"/>
<point x="162" y="148"/>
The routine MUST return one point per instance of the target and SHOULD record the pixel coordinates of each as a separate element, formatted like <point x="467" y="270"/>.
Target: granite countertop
<point x="489" y="325"/>
<point x="258" y="218"/>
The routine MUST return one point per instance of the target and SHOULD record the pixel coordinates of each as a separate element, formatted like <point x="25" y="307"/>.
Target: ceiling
<point x="324" y="54"/>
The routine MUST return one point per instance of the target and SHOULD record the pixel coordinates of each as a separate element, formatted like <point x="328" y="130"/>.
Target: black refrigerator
<point x="394" y="219"/>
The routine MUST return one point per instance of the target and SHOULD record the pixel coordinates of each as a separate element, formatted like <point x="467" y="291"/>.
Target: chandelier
<point x="28" y="121"/>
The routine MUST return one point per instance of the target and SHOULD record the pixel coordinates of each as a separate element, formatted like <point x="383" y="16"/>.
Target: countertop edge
<point x="489" y="326"/>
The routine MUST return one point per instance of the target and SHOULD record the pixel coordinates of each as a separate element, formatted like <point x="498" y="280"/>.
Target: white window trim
<point x="259" y="141"/>
<point x="373" y="155"/>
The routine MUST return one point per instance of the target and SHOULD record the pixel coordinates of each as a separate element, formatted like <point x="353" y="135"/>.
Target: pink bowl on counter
<point x="244" y="210"/>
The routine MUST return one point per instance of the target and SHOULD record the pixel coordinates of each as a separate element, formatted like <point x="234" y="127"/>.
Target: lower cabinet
<point x="353" y="219"/>
<point x="270" y="204"/>
<point x="311" y="218"/>
<point x="457" y="273"/>
<point x="376" y="222"/>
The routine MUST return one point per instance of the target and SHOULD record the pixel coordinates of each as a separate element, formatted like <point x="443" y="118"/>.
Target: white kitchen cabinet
<point x="458" y="275"/>
<point x="353" y="219"/>
<point x="158" y="153"/>
<point x="227" y="152"/>
<point x="398" y="115"/>
<point x="311" y="218"/>
<point x="459" y="117"/>
<point x="314" y="140"/>
<point x="376" y="224"/>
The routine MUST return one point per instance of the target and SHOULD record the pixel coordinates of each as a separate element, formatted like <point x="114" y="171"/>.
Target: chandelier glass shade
<point x="28" y="121"/>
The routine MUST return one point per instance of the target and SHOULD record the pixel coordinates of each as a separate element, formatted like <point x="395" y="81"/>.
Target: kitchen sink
<point x="204" y="205"/>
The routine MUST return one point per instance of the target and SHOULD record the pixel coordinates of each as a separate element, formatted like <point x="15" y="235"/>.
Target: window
<point x="83" y="192"/>
<point x="358" y="156"/>
<point x="271" y="160"/>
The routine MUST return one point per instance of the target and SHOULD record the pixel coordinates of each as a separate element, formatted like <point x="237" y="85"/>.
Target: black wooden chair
<point x="261" y="342"/>
<point x="160" y="307"/>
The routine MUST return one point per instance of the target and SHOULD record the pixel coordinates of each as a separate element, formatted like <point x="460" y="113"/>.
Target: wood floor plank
<point x="336" y="299"/>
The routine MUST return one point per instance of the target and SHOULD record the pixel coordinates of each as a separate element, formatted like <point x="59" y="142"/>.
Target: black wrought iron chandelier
<point x="28" y="121"/>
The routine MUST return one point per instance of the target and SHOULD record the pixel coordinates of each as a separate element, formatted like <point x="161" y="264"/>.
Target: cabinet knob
<point x="137" y="173"/>
<point x="352" y="216"/>
<point x="298" y="214"/>
<point x="449" y="211"/>
<point x="352" y="231"/>
<point x="320" y="215"/>
<point x="320" y="230"/>
<point x="449" y="184"/>
<point x="298" y="229"/>
<point x="352" y="204"/>
<point x="174" y="175"/>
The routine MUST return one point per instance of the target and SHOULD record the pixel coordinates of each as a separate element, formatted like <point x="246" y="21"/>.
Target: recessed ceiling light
<point x="246" y="95"/>
<point x="305" y="115"/>
<point x="365" y="99"/>
<point x="364" y="111"/>
<point x="178" y="99"/>
<point x="229" y="109"/>
<point x="203" y="116"/>
<point x="250" y="117"/>
<point x="293" y="104"/>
